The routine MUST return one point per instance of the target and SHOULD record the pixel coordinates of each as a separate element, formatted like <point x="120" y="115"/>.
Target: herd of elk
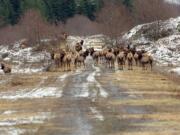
<point x="122" y="55"/>
<point x="108" y="56"/>
<point x="67" y="59"/>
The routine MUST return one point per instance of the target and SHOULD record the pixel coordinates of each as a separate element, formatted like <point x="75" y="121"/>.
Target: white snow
<point x="15" y="54"/>
<point x="24" y="58"/>
<point x="38" y="119"/>
<point x="83" y="91"/>
<point x="34" y="93"/>
<point x="63" y="77"/>
<point x="91" y="79"/>
<point x="175" y="70"/>
<point x="9" y="124"/>
<point x="97" y="114"/>
<point x="11" y="131"/>
<point x="102" y="91"/>
<point x="26" y="70"/>
<point x="136" y="36"/>
<point x="132" y="32"/>
<point x="89" y="41"/>
<point x="166" y="50"/>
<point x="9" y="112"/>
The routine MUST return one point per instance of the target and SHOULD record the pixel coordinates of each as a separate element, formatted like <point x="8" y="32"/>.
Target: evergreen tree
<point x="15" y="11"/>
<point x="127" y="3"/>
<point x="89" y="7"/>
<point x="53" y="10"/>
<point x="59" y="10"/>
<point x="10" y="10"/>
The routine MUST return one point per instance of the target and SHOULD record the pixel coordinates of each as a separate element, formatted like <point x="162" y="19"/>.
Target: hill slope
<point x="166" y="48"/>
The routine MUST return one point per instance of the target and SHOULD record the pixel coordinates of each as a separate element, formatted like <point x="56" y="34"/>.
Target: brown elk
<point x="136" y="58"/>
<point x="110" y="58"/>
<point x="78" y="47"/>
<point x="67" y="60"/>
<point x="130" y="60"/>
<point x="146" y="60"/>
<point x="121" y="60"/>
<point x="58" y="57"/>
<point x="96" y="56"/>
<point x="80" y="58"/>
<point x="6" y="69"/>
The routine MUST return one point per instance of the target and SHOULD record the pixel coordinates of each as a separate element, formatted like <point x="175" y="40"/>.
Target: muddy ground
<point x="90" y="101"/>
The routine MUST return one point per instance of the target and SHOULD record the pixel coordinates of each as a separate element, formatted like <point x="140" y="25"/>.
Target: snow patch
<point x="63" y="77"/>
<point x="95" y="41"/>
<point x="26" y="70"/>
<point x="166" y="50"/>
<point x="11" y="131"/>
<point x="175" y="70"/>
<point x="97" y="113"/>
<point x="91" y="79"/>
<point x="103" y="93"/>
<point x="84" y="91"/>
<point x="36" y="119"/>
<point x="16" y="54"/>
<point x="35" y="93"/>
<point x="8" y="112"/>
<point x="24" y="60"/>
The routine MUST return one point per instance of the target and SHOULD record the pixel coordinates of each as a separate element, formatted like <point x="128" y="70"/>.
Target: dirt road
<point x="91" y="101"/>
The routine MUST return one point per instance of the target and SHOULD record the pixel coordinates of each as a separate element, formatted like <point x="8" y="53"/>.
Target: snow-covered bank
<point x="165" y="50"/>
<point x="18" y="55"/>
<point x="24" y="60"/>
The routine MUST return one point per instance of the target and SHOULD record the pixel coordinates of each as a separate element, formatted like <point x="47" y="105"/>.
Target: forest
<point x="46" y="18"/>
<point x="52" y="10"/>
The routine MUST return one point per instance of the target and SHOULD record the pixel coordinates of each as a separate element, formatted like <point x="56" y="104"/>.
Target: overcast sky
<point x="174" y="1"/>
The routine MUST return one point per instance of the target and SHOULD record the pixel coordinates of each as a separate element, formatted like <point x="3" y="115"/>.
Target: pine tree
<point x="59" y="10"/>
<point x="53" y="10"/>
<point x="10" y="10"/>
<point x="15" y="11"/>
<point x="127" y="3"/>
<point x="89" y="7"/>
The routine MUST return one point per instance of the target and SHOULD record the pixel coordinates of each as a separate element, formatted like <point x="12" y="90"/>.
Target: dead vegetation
<point x="112" y="20"/>
<point x="17" y="82"/>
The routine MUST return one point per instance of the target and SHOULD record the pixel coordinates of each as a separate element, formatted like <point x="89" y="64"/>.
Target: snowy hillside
<point x="166" y="50"/>
<point x="24" y="60"/>
<point x="89" y="40"/>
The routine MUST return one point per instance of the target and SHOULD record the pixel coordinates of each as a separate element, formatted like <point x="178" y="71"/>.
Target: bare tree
<point x="34" y="26"/>
<point x="114" y="19"/>
<point x="81" y="25"/>
<point x="154" y="10"/>
<point x="10" y="34"/>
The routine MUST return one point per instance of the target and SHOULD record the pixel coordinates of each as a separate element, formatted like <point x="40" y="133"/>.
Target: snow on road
<point x="83" y="91"/>
<point x="30" y="94"/>
<point x="39" y="92"/>
<point x="9" y="120"/>
<point x="97" y="114"/>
